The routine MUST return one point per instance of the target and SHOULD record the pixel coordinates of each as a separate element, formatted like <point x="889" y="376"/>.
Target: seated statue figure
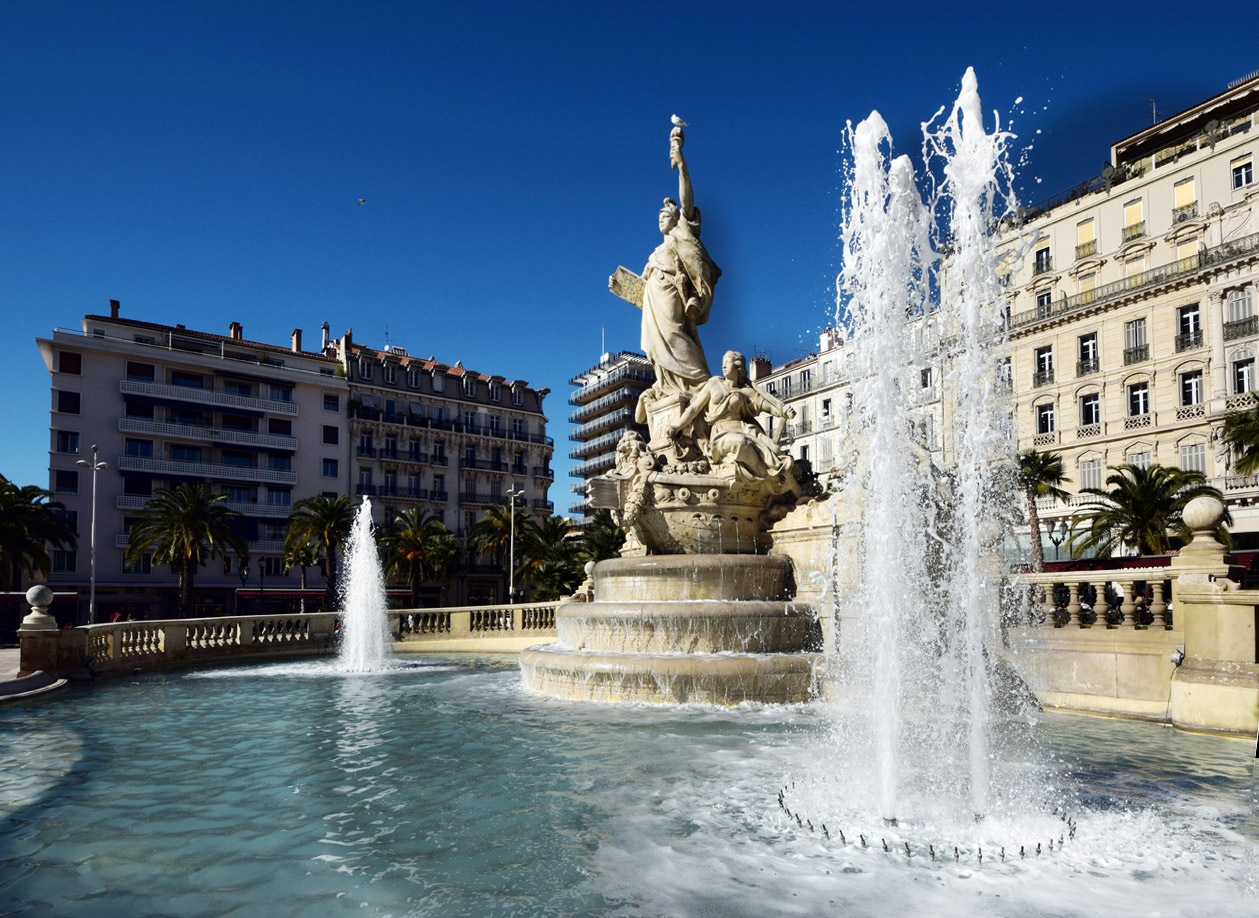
<point x="736" y="442"/>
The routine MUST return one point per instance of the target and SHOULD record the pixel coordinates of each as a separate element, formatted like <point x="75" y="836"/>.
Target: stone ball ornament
<point x="39" y="596"/>
<point x="1203" y="513"/>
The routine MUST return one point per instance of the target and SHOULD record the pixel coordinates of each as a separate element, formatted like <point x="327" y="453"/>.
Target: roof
<point x="432" y="364"/>
<point x="208" y="336"/>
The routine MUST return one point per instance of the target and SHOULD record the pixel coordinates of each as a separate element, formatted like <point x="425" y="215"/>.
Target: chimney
<point x="324" y="344"/>
<point x="114" y="306"/>
<point x="761" y="368"/>
<point x="236" y="331"/>
<point x="297" y="341"/>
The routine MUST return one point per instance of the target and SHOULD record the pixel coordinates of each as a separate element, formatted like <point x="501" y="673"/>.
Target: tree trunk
<point x="1038" y="550"/>
<point x="187" y="573"/>
<point x="415" y="584"/>
<point x="303" y="582"/>
<point x="330" y="580"/>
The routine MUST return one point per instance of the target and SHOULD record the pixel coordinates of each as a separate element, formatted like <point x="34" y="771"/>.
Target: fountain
<point x="694" y="611"/>
<point x="366" y="645"/>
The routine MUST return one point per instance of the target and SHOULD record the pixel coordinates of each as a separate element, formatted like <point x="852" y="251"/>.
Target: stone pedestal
<point x="681" y="628"/>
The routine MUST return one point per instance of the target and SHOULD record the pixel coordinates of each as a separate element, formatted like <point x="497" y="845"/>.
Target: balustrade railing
<point x="1134" y="598"/>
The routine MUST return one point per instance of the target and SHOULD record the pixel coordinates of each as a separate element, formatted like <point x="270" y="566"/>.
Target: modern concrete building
<point x="450" y="440"/>
<point x="604" y="404"/>
<point x="161" y="405"/>
<point x="1132" y="310"/>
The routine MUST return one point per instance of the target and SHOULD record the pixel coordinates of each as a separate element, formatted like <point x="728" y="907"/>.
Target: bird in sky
<point x="361" y="201"/>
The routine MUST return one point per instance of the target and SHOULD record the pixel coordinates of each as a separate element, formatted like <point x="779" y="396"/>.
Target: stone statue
<point x="675" y="291"/>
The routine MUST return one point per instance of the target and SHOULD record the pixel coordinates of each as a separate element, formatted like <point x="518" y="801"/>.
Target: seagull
<point x="361" y="201"/>
<point x="678" y="122"/>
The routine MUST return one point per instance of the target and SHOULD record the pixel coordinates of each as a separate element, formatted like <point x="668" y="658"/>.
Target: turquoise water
<point x="443" y="789"/>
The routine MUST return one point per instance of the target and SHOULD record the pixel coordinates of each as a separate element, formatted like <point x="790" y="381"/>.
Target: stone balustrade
<point x="1129" y="598"/>
<point x="534" y="620"/>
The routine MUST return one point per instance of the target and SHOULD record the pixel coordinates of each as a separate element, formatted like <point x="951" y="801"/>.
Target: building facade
<point x="1132" y="321"/>
<point x="449" y="440"/>
<point x="163" y="405"/>
<point x="604" y="404"/>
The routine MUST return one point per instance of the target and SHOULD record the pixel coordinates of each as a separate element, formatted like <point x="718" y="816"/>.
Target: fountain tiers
<point x="681" y="628"/>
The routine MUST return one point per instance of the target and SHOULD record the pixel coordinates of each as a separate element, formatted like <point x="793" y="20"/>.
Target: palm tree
<point x="326" y="522"/>
<point x="185" y="527"/>
<point x="1142" y="510"/>
<point x="301" y="555"/>
<point x="603" y="538"/>
<point x="492" y="534"/>
<point x="550" y="557"/>
<point x="1040" y="475"/>
<point x="411" y="543"/>
<point x="29" y="522"/>
<point x="1241" y="436"/>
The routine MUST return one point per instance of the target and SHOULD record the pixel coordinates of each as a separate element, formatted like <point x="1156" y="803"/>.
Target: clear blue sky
<point x="202" y="162"/>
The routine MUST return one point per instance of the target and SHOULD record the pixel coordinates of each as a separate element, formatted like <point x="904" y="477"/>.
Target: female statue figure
<point x="677" y="288"/>
<point x="730" y="404"/>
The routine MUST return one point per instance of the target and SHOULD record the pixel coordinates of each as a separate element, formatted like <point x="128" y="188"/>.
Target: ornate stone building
<point x="1132" y="319"/>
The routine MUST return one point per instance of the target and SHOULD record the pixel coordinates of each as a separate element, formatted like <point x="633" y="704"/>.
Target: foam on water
<point x="366" y="645"/>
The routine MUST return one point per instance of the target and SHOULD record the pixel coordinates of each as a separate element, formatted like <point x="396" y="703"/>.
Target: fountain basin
<point x="660" y="678"/>
<point x="692" y="577"/>
<point x="700" y="626"/>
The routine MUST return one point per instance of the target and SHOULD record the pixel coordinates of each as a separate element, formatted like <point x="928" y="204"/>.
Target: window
<point x="413" y="450"/>
<point x="1044" y="262"/>
<point x="280" y="463"/>
<point x="278" y="497"/>
<point x="413" y="378"/>
<point x="64" y="562"/>
<point x="806" y="380"/>
<point x="364" y="478"/>
<point x="518" y="464"/>
<point x="1140" y="460"/>
<point x="140" y="449"/>
<point x="496" y="392"/>
<point x="1138" y="399"/>
<point x="187" y="380"/>
<point x="496" y="425"/>
<point x="142" y="565"/>
<point x="1087" y="284"/>
<point x="1135" y="347"/>
<point x="391" y="373"/>
<point x="239" y="494"/>
<point x="66" y="481"/>
<point x="331" y="401"/>
<point x="1189" y="319"/>
<point x="188" y="416"/>
<point x="1186" y="205"/>
<point x="136" y="410"/>
<point x="1091" y="473"/>
<point x="1090" y="409"/>
<point x="469" y="385"/>
<point x="518" y="428"/>
<point x="331" y="434"/>
<point x="1085" y="240"/>
<point x="280" y="427"/>
<point x="70" y="362"/>
<point x="1243" y="372"/>
<point x="1086" y="354"/>
<point x="237" y="422"/>
<point x="786" y="386"/>
<point x="137" y="487"/>
<point x="1240" y="305"/>
<point x="140" y="371"/>
<point x="68" y="402"/>
<point x="1191" y="388"/>
<point x="469" y="421"/>
<point x="1045" y="361"/>
<point x="439" y="380"/>
<point x="439" y="451"/>
<point x="238" y="460"/>
<point x="924" y="382"/>
<point x="331" y="469"/>
<point x="1134" y="267"/>
<point x="1045" y="418"/>
<point x="1193" y="457"/>
<point x="517" y="396"/>
<point x="364" y="369"/>
<point x="804" y="453"/>
<point x="234" y="387"/>
<point x="1044" y="303"/>
<point x="1133" y="220"/>
<point x="1242" y="175"/>
<point x="67" y="441"/>
<point x="281" y="394"/>
<point x="439" y="487"/>
<point x="273" y="566"/>
<point x="181" y="453"/>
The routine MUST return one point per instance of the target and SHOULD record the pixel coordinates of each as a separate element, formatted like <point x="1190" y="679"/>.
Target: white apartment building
<point x="1132" y="315"/>
<point x="260" y="423"/>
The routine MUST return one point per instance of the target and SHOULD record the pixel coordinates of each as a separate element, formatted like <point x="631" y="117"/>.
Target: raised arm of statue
<point x="686" y="194"/>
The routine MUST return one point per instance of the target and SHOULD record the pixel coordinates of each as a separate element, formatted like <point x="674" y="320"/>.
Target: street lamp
<point x="243" y="573"/>
<point x="95" y="467"/>
<point x="512" y="494"/>
<point x="1057" y="533"/>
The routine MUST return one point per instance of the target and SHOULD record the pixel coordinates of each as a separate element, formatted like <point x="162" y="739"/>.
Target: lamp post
<point x="1057" y="533"/>
<point x="512" y="494"/>
<point x="95" y="467"/>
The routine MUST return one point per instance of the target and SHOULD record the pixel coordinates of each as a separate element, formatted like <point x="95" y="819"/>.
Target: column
<point x="1219" y="369"/>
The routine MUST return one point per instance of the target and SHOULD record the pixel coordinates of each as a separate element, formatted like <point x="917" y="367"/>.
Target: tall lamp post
<point x="512" y="494"/>
<point x="244" y="578"/>
<point x="95" y="467"/>
<point x="1057" y="533"/>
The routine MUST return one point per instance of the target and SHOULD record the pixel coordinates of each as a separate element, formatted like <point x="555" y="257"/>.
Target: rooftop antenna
<point x="1153" y="110"/>
<point x="603" y="342"/>
<point x="387" y="344"/>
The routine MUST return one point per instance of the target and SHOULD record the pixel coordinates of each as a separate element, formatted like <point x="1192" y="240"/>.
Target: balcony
<point x="366" y="452"/>
<point x="616" y="418"/>
<point x="1188" y="341"/>
<point x="1044" y="264"/>
<point x="204" y="470"/>
<point x="1138" y="421"/>
<point x="595" y="466"/>
<point x="604" y="382"/>
<point x="1136" y="354"/>
<point x="1088" y="431"/>
<point x="1085" y="250"/>
<point x="365" y="490"/>
<point x="1241" y="328"/>
<point x="1134" y="231"/>
<point x="1042" y="378"/>
<point x="1187" y="212"/>
<point x="547" y="505"/>
<point x="1189" y="412"/>
<point x="485" y="465"/>
<point x="540" y="471"/>
<point x="210" y="434"/>
<point x="1087" y="367"/>
<point x="474" y="497"/>
<point x="602" y="404"/>
<point x="204" y="397"/>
